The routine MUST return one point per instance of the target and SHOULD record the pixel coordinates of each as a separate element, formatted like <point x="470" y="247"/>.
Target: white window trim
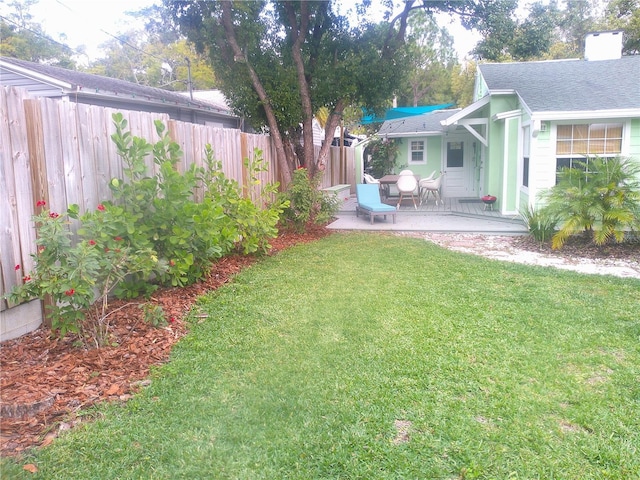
<point x="424" y="152"/>
<point x="525" y="128"/>
<point x="624" y="147"/>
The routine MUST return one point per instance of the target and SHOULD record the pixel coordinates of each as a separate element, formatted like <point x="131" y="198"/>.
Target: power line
<point x="124" y="42"/>
<point x="119" y="39"/>
<point x="39" y="34"/>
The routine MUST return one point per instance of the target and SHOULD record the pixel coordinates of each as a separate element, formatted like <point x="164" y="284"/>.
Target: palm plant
<point x="599" y="197"/>
<point x="540" y="224"/>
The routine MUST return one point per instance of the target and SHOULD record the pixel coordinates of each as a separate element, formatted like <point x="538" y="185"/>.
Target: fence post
<point x="244" y="153"/>
<point x="38" y="165"/>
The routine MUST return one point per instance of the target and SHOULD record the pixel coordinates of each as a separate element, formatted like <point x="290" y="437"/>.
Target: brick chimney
<point x="603" y="45"/>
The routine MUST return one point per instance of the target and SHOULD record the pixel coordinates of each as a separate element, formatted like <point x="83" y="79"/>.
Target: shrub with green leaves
<point x="306" y="202"/>
<point x="187" y="236"/>
<point x="384" y="154"/>
<point x="79" y="277"/>
<point x="153" y="232"/>
<point x="599" y="197"/>
<point x="256" y="220"/>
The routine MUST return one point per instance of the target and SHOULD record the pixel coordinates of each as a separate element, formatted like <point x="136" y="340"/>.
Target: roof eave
<point x="410" y="134"/>
<point x="474" y="107"/>
<point x="125" y="98"/>
<point x="587" y="114"/>
<point x="36" y="76"/>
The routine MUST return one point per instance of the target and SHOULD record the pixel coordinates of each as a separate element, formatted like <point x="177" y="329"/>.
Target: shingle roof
<point x="569" y="85"/>
<point x="111" y="86"/>
<point x="426" y="123"/>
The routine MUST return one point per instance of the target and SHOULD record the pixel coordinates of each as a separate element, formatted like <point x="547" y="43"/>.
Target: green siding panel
<point x="511" y="177"/>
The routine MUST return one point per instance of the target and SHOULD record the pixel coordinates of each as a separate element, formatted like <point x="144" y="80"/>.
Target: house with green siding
<point x="528" y="120"/>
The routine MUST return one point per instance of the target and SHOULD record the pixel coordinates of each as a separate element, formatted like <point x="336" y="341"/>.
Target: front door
<point x="458" y="163"/>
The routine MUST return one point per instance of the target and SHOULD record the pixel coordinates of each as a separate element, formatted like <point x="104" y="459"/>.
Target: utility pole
<point x="189" y="82"/>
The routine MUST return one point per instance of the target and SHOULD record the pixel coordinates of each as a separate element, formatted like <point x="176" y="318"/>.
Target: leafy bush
<point x="154" y="231"/>
<point x="187" y="236"/>
<point x="256" y="221"/>
<point x="153" y="314"/>
<point x="540" y="223"/>
<point x="306" y="202"/>
<point x="599" y="197"/>
<point x="384" y="153"/>
<point x="79" y="278"/>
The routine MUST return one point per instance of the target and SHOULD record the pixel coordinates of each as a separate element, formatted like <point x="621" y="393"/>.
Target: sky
<point x="94" y="22"/>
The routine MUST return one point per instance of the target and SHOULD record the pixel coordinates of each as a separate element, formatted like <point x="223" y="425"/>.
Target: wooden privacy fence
<point x="61" y="152"/>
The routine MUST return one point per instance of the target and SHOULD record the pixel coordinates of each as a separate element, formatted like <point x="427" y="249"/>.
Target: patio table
<point x="388" y="180"/>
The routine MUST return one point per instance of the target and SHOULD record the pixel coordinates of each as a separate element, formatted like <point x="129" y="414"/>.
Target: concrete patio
<point x="453" y="215"/>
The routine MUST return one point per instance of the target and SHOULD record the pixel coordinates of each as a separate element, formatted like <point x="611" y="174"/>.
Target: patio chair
<point x="431" y="186"/>
<point x="406" y="185"/>
<point x="369" y="203"/>
<point x="369" y="179"/>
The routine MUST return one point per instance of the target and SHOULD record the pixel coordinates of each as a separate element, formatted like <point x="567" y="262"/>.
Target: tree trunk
<point x="329" y="130"/>
<point x="298" y="35"/>
<point x="286" y="171"/>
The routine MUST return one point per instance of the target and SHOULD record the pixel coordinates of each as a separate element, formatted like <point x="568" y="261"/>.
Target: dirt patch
<point x="402" y="431"/>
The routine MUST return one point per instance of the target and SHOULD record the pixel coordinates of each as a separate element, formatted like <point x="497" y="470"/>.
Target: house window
<point x="575" y="143"/>
<point x="594" y="139"/>
<point x="526" y="147"/>
<point x="455" y="154"/>
<point x="418" y="154"/>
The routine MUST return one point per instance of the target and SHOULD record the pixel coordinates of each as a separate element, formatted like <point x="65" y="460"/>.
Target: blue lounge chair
<point x="369" y="203"/>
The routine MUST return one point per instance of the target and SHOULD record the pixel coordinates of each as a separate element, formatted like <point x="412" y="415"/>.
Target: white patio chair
<point x="431" y="186"/>
<point x="406" y="185"/>
<point x="369" y="179"/>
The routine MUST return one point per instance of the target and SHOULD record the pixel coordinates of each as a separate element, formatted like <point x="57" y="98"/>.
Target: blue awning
<point x="402" y="112"/>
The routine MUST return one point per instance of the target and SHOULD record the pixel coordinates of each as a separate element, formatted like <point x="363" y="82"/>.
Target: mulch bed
<point x="581" y="246"/>
<point x="46" y="382"/>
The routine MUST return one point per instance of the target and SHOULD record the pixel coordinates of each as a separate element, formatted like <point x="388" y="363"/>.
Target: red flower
<point x="172" y="263"/>
<point x="101" y="207"/>
<point x="117" y="239"/>
<point x="16" y="268"/>
<point x="53" y="215"/>
<point x="70" y="292"/>
<point x="92" y="242"/>
<point x="41" y="203"/>
<point x="172" y="319"/>
<point x="26" y="278"/>
<point x="106" y="249"/>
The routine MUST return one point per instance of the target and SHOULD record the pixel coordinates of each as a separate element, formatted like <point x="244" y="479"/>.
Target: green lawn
<point x="372" y="357"/>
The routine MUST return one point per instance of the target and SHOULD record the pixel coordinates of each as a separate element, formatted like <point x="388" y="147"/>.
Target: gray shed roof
<point x="569" y="85"/>
<point x="62" y="82"/>
<point x="428" y="123"/>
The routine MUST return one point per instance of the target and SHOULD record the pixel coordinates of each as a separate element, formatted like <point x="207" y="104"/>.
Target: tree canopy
<point x="431" y="61"/>
<point x="21" y="37"/>
<point x="279" y="61"/>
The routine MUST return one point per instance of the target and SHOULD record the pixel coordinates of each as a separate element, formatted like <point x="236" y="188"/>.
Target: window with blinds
<point x="576" y="143"/>
<point x="594" y="139"/>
